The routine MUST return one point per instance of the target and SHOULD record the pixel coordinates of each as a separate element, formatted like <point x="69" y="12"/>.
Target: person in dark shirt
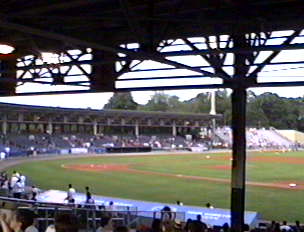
<point x="198" y="222"/>
<point x="88" y="194"/>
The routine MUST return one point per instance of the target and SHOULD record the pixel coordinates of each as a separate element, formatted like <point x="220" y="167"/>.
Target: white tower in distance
<point x="212" y="101"/>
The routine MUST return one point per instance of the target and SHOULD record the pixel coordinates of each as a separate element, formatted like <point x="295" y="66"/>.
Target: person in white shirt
<point x="70" y="194"/>
<point x="285" y="226"/>
<point x="50" y="228"/>
<point x="31" y="228"/>
<point x="13" y="181"/>
<point x="2" y="155"/>
<point x="22" y="178"/>
<point x="7" y="150"/>
<point x="18" y="189"/>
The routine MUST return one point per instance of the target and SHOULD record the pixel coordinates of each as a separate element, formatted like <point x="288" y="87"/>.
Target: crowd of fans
<point x="13" y="145"/>
<point x="25" y="220"/>
<point x="15" y="186"/>
<point x="258" y="139"/>
<point x="16" y="145"/>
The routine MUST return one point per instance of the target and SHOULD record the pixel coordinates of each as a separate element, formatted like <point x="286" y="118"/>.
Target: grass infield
<point x="194" y="179"/>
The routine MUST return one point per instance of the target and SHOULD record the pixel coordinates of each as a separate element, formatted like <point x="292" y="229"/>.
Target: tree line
<point x="264" y="110"/>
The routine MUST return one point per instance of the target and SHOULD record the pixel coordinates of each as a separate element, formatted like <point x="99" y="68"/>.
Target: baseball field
<point x="275" y="181"/>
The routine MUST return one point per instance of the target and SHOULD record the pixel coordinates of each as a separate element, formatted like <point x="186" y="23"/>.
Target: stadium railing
<point x="90" y="215"/>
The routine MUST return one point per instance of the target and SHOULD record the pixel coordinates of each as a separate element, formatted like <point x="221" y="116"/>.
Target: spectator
<point x="277" y="227"/>
<point x="166" y="214"/>
<point x="105" y="225"/>
<point x="121" y="229"/>
<point x="201" y="226"/>
<point x="285" y="226"/>
<point x="18" y="189"/>
<point x="297" y="227"/>
<point x="179" y="203"/>
<point x="20" y="221"/>
<point x="88" y="195"/>
<point x="50" y="228"/>
<point x="66" y="223"/>
<point x="70" y="194"/>
<point x="13" y="180"/>
<point x="225" y="228"/>
<point x="156" y="225"/>
<point x="2" y="155"/>
<point x="271" y="227"/>
<point x="209" y="206"/>
<point x="188" y="223"/>
<point x="22" y="179"/>
<point x="34" y="192"/>
<point x="246" y="228"/>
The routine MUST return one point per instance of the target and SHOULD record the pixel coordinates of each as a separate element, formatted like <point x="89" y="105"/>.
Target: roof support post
<point x="136" y="128"/>
<point x="238" y="124"/>
<point x="8" y="71"/>
<point x="49" y="129"/>
<point x="4" y="124"/>
<point x="238" y="175"/>
<point x="174" y="133"/>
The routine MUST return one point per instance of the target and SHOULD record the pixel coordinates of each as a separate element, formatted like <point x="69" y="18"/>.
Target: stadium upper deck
<point x="30" y="119"/>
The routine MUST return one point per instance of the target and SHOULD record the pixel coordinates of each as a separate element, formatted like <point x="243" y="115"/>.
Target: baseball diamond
<point x="273" y="179"/>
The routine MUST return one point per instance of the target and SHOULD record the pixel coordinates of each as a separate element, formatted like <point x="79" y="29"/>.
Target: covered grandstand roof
<point x="107" y="26"/>
<point x="9" y="107"/>
<point x="108" y="21"/>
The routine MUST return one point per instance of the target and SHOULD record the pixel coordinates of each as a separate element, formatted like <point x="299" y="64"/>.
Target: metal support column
<point x="174" y="128"/>
<point x="4" y="125"/>
<point x="50" y="127"/>
<point x="95" y="127"/>
<point x="136" y="128"/>
<point x="238" y="99"/>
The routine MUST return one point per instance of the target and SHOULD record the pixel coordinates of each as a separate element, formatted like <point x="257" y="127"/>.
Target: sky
<point x="97" y="100"/>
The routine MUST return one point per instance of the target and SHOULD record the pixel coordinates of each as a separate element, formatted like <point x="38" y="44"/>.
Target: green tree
<point x="164" y="103"/>
<point x="121" y="101"/>
<point x="199" y="104"/>
<point x="255" y="114"/>
<point x="282" y="113"/>
<point x="223" y="105"/>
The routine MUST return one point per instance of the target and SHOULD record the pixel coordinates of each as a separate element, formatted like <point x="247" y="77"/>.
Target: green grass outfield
<point x="157" y="185"/>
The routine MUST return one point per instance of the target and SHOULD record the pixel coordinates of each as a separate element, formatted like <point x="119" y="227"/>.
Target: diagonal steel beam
<point x="77" y="65"/>
<point x="141" y="55"/>
<point x="215" y="64"/>
<point x="280" y="47"/>
<point x="274" y="54"/>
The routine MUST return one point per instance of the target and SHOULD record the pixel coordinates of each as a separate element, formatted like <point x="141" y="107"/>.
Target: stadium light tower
<point x="212" y="102"/>
<point x="213" y="112"/>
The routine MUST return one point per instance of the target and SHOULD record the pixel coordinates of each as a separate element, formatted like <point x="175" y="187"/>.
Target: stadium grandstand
<point x="32" y="130"/>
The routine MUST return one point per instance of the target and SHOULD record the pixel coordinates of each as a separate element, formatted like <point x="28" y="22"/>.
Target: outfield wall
<point x="293" y="135"/>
